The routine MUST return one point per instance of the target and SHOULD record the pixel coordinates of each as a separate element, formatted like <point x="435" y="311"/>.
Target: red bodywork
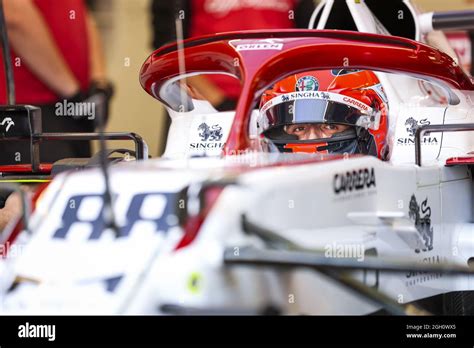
<point x="286" y="52"/>
<point x="460" y="161"/>
<point x="25" y="169"/>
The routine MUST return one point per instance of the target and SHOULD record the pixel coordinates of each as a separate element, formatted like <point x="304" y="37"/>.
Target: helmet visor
<point x="317" y="108"/>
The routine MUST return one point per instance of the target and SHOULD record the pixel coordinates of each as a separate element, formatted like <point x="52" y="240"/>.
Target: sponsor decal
<point x="328" y="96"/>
<point x="416" y="278"/>
<point x="7" y="122"/>
<point x="354" y="181"/>
<point x="71" y="217"/>
<point x="211" y="137"/>
<point x="206" y="146"/>
<point x="411" y="126"/>
<point x="356" y="103"/>
<point x="213" y="133"/>
<point x="307" y="83"/>
<point x="421" y="216"/>
<point x="261" y="45"/>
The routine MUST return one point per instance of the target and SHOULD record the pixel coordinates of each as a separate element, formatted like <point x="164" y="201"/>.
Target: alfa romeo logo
<point x="307" y="83"/>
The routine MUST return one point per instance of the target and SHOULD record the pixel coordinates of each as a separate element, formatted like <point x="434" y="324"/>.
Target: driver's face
<point x="311" y="131"/>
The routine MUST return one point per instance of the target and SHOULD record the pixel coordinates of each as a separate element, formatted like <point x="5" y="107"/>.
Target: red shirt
<point x="66" y="20"/>
<point x="217" y="16"/>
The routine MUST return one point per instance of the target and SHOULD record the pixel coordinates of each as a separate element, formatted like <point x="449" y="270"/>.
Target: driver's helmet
<point x="327" y="111"/>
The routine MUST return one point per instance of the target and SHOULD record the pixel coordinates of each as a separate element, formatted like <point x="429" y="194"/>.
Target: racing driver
<point x="328" y="111"/>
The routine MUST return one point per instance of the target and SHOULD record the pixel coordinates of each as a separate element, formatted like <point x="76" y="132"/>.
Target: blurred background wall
<point x="125" y="26"/>
<point x="445" y="5"/>
<point x="126" y="29"/>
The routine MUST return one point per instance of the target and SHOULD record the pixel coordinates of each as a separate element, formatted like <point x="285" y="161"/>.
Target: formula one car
<point x="236" y="220"/>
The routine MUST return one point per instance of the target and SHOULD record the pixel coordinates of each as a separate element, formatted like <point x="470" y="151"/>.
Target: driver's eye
<point x="330" y="127"/>
<point x="299" y="129"/>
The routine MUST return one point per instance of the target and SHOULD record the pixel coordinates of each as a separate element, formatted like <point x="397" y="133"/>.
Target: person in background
<point x="57" y="58"/>
<point x="57" y="61"/>
<point x="204" y="17"/>
<point x="471" y="37"/>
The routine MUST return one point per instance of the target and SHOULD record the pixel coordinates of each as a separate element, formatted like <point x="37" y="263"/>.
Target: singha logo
<point x="213" y="133"/>
<point x="7" y="122"/>
<point x="412" y="125"/>
<point x="421" y="216"/>
<point x="325" y="96"/>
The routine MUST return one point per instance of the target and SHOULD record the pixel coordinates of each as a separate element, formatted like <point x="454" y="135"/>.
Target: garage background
<point x="125" y="27"/>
